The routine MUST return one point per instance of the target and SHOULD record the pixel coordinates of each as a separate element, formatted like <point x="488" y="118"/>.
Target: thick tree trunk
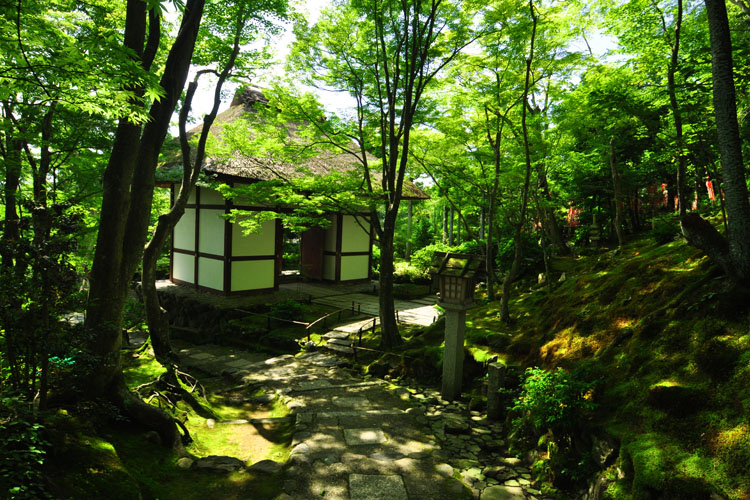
<point x="128" y="185"/>
<point x="11" y="262"/>
<point x="701" y="234"/>
<point x="617" y="187"/>
<point x="730" y="144"/>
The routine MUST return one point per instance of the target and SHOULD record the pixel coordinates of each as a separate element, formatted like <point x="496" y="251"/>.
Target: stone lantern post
<point x="456" y="275"/>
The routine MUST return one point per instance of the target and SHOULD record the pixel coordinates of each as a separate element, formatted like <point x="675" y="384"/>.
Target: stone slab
<point x="336" y="414"/>
<point x="336" y="335"/>
<point x="200" y="355"/>
<point x="351" y="402"/>
<point x="376" y="487"/>
<point x="240" y="363"/>
<point x="503" y="493"/>
<point x="356" y="437"/>
<point x="311" y="385"/>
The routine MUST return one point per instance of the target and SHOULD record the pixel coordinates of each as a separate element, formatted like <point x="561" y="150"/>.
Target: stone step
<point x="340" y="348"/>
<point x="336" y="335"/>
<point x="345" y="342"/>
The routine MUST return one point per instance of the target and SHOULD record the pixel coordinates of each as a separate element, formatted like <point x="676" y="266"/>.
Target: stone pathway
<point x="360" y="439"/>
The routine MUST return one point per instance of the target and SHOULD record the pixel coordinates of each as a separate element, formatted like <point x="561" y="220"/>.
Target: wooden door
<point x="311" y="253"/>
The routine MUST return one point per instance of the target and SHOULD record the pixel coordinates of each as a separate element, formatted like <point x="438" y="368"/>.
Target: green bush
<point x="288" y="309"/>
<point x="554" y="400"/>
<point x="551" y="410"/>
<point x="422" y="258"/>
<point x="22" y="452"/>
<point x="406" y="273"/>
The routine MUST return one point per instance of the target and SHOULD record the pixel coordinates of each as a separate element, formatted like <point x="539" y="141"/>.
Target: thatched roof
<point x="241" y="167"/>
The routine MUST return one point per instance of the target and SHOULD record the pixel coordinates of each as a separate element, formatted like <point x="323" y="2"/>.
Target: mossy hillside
<point x="635" y="320"/>
<point x="667" y="340"/>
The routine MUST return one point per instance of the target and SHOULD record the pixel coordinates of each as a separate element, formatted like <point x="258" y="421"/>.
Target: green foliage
<point x="404" y="272"/>
<point x="289" y="309"/>
<point x="422" y="258"/>
<point x="23" y="449"/>
<point x="555" y="400"/>
<point x="551" y="409"/>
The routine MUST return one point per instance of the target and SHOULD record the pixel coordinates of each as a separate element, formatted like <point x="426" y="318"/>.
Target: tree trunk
<point x="488" y="256"/>
<point x="450" y="229"/>
<point x="730" y="144"/>
<point x="389" y="336"/>
<point x="408" y="230"/>
<point x="10" y="258"/>
<point x="445" y="224"/>
<point x="617" y="187"/>
<point x="128" y="185"/>
<point x="510" y="277"/>
<point x="517" y="242"/>
<point x="157" y="316"/>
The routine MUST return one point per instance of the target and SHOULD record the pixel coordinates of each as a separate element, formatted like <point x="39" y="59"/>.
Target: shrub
<point x="555" y="400"/>
<point x="22" y="452"/>
<point x="422" y="258"/>
<point x="288" y="309"/>
<point x="550" y="410"/>
<point x="406" y="273"/>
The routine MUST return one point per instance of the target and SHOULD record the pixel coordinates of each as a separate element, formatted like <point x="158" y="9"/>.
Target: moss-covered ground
<point x="113" y="460"/>
<point x="664" y="336"/>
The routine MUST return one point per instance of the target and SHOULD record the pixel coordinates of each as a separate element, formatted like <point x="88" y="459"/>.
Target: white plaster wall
<point x="355" y="267"/>
<point x="353" y="237"/>
<point x="260" y="243"/>
<point x="211" y="273"/>
<point x="330" y="243"/>
<point x="252" y="275"/>
<point x="184" y="231"/>
<point x="183" y="267"/>
<point x="191" y="196"/>
<point x="211" y="197"/>
<point x="211" y="232"/>
<point x="329" y="267"/>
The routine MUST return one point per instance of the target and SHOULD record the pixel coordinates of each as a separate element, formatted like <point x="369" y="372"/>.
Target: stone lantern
<point x="456" y="275"/>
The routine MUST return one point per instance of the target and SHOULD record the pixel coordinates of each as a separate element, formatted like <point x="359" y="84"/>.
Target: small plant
<point x="555" y="400"/>
<point x="551" y="409"/>
<point x="288" y="309"/>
